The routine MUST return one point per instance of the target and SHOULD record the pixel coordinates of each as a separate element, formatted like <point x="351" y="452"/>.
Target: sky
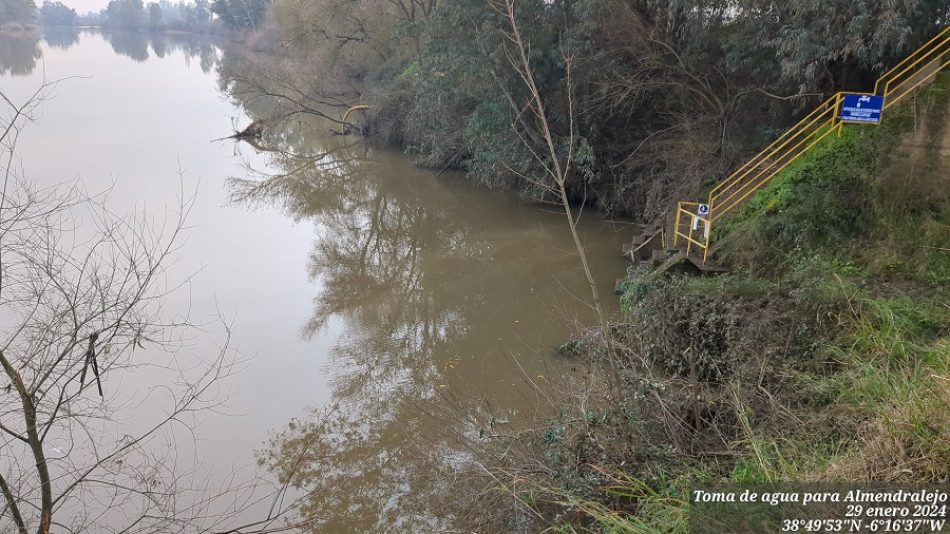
<point x="82" y="6"/>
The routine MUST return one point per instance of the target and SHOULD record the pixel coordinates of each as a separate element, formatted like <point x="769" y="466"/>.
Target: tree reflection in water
<point x="437" y="286"/>
<point x="135" y="45"/>
<point x="19" y="53"/>
<point x="61" y="38"/>
<point x="358" y="458"/>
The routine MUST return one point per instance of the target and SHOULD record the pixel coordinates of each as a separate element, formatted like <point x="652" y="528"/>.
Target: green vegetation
<point x="19" y="11"/>
<point x="156" y="19"/>
<point x="57" y="14"/>
<point x="125" y="14"/>
<point x="823" y="356"/>
<point x="194" y="16"/>
<point x="234" y="15"/>
<point x="241" y="14"/>
<point x="164" y="15"/>
<point x="665" y="97"/>
<point x="885" y="213"/>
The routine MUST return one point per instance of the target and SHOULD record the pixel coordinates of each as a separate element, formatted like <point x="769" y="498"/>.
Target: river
<point x="380" y="311"/>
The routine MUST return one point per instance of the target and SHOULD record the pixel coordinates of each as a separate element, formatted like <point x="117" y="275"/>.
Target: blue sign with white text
<point x="862" y="108"/>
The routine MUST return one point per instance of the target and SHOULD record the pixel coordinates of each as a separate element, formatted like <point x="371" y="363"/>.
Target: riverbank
<point x="824" y="356"/>
<point x="655" y="104"/>
<point x="821" y="357"/>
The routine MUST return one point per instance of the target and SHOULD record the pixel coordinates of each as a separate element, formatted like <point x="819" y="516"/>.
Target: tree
<point x="360" y="34"/>
<point x="57" y="14"/>
<point x="80" y="296"/>
<point x="156" y="19"/>
<point x="241" y="14"/>
<point x="19" y="53"/>
<point x="75" y="312"/>
<point x="128" y="14"/>
<point x="285" y="92"/>
<point x="187" y="16"/>
<point x="202" y="10"/>
<point x="16" y="10"/>
<point x="839" y="43"/>
<point x="555" y="155"/>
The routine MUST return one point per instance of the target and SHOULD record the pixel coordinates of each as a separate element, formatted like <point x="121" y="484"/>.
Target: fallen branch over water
<point x="253" y="131"/>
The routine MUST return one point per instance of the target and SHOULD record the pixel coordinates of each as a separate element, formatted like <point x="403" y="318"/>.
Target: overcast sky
<point x="82" y="6"/>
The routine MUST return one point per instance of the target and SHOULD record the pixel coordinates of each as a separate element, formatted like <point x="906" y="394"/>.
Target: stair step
<point x="707" y="267"/>
<point x="757" y="173"/>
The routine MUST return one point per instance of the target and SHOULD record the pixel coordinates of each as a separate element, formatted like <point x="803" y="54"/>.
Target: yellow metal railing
<point x="914" y="70"/>
<point x="900" y="81"/>
<point x="695" y="223"/>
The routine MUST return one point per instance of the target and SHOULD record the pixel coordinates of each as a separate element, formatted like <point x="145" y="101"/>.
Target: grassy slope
<point x="857" y="233"/>
<point x="824" y="356"/>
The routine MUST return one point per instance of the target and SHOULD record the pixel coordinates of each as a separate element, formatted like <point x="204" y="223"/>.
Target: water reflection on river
<point x="385" y="310"/>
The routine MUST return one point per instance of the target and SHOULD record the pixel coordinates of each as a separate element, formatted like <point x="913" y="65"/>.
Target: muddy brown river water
<point x="379" y="308"/>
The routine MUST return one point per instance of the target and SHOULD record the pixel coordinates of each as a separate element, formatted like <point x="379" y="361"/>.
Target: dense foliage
<point x="820" y="357"/>
<point x="190" y="16"/>
<point x="57" y="14"/>
<point x="667" y="96"/>
<point x="156" y="19"/>
<point x="187" y="16"/>
<point x="127" y="14"/>
<point x="241" y="14"/>
<point x="16" y="10"/>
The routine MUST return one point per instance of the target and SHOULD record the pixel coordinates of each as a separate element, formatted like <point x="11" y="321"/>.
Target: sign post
<point x="703" y="211"/>
<point x="702" y="214"/>
<point x="861" y="108"/>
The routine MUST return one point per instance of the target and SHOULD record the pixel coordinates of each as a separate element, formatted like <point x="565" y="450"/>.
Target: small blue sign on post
<point x="862" y="108"/>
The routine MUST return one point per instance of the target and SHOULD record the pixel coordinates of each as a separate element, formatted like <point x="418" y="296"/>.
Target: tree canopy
<point x="156" y="19"/>
<point x="57" y="14"/>
<point x="16" y="10"/>
<point x="241" y="14"/>
<point x="129" y="14"/>
<point x="661" y="91"/>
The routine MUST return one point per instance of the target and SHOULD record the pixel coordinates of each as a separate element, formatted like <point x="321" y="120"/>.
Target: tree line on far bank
<point x="196" y="15"/>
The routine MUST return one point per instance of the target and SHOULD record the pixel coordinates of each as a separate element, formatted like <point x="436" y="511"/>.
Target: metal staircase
<point x="693" y="222"/>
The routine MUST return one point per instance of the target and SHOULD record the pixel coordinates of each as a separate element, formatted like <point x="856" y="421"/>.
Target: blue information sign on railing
<point x="861" y="108"/>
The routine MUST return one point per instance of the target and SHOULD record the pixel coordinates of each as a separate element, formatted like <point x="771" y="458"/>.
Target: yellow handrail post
<point x="676" y="225"/>
<point x="836" y="122"/>
<point x="898" y="82"/>
<point x="708" y="237"/>
<point x="689" y="242"/>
